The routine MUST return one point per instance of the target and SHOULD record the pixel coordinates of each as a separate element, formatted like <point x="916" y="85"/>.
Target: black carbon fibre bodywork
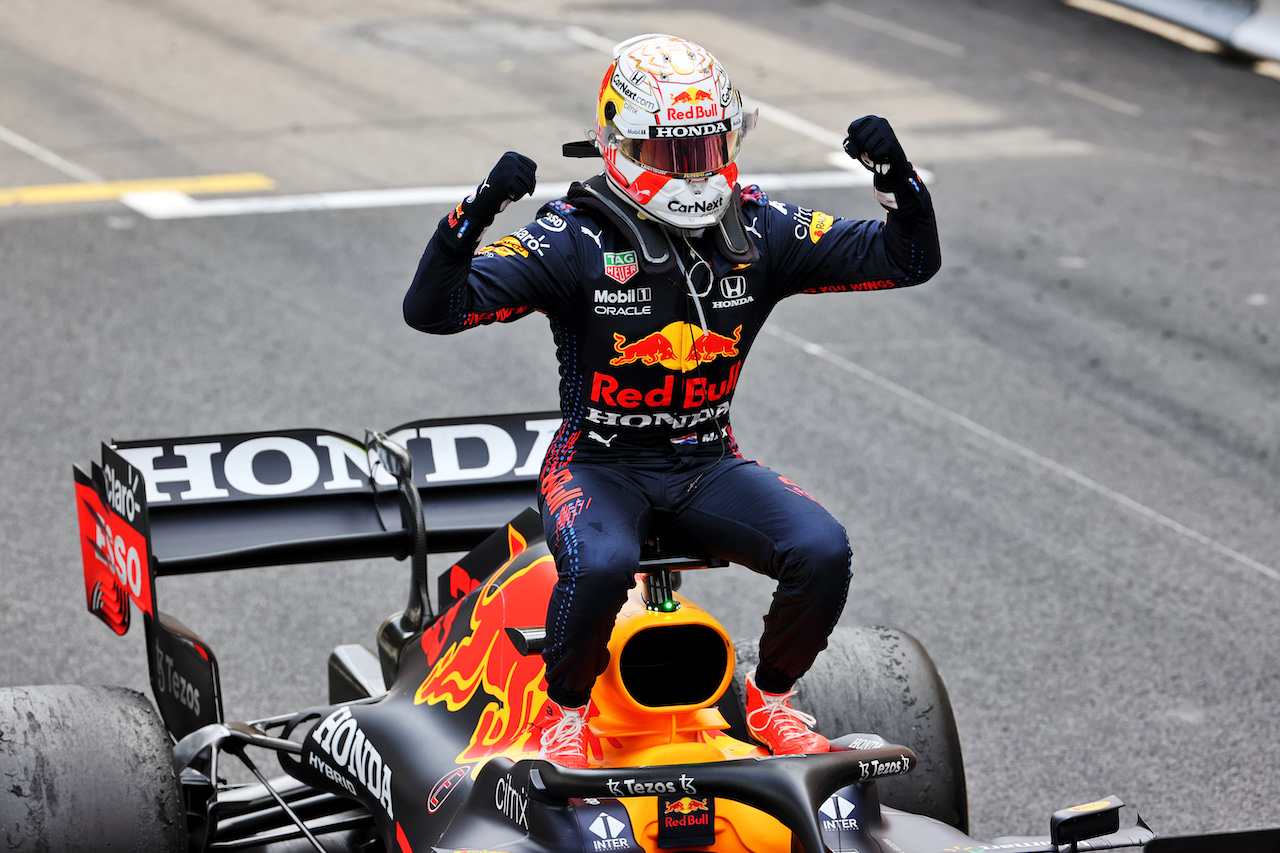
<point x="427" y="745"/>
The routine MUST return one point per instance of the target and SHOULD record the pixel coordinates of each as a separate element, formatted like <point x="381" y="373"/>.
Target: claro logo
<point x="121" y="497"/>
<point x="315" y="462"/>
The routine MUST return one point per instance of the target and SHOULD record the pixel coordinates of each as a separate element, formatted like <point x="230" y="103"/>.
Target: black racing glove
<point x="872" y="142"/>
<point x="514" y="177"/>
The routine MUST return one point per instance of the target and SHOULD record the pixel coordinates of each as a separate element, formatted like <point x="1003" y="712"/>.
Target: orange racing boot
<point x="773" y="722"/>
<point x="564" y="735"/>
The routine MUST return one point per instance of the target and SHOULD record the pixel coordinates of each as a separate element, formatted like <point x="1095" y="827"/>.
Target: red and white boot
<point x="773" y="722"/>
<point x="564" y="735"/>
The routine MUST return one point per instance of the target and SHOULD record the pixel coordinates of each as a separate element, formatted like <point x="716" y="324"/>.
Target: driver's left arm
<point x="823" y="254"/>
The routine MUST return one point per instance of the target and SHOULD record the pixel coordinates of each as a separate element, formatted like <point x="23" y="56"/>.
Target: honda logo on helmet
<point x="684" y="131"/>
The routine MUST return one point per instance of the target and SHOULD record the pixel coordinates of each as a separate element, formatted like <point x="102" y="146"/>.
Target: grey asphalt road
<point x="1059" y="461"/>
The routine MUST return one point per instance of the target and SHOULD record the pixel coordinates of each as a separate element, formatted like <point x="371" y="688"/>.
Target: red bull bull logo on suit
<point x="678" y="346"/>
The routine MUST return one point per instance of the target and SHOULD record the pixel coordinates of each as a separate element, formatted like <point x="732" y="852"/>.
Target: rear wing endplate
<point x="211" y="503"/>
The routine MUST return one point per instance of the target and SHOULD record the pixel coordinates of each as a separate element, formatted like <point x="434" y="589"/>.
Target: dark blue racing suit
<point x="646" y="379"/>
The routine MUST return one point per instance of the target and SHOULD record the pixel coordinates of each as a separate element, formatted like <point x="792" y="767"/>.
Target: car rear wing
<point x="297" y="496"/>
<point x="177" y="506"/>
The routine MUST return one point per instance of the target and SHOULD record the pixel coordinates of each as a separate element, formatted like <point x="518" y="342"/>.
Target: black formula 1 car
<point x="425" y="745"/>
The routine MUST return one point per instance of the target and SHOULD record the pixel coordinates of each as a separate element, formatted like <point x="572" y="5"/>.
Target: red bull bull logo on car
<point x="678" y="346"/>
<point x="684" y="805"/>
<point x="477" y="664"/>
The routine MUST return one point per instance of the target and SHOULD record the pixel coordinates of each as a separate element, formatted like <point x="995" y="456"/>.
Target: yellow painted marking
<point x="111" y="190"/>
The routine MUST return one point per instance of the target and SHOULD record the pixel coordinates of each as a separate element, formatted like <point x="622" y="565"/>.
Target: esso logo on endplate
<point x="123" y="559"/>
<point x="126" y="504"/>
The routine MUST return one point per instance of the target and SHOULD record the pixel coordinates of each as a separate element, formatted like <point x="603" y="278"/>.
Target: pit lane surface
<point x="1057" y="461"/>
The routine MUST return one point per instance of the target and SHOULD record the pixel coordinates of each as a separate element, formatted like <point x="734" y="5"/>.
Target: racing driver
<point x="657" y="275"/>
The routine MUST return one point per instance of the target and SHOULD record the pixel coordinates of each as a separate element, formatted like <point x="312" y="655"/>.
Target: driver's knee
<point x="818" y="563"/>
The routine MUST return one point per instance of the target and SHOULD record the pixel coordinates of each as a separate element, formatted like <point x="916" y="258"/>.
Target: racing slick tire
<point x="86" y="768"/>
<point x="881" y="681"/>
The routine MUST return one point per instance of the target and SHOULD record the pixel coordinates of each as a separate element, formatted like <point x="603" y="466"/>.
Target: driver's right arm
<point x="448" y="296"/>
<point x="450" y="291"/>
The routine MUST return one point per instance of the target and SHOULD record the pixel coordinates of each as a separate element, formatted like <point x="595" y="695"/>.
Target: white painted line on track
<point x="1084" y="93"/>
<point x="170" y="204"/>
<point x="590" y="40"/>
<point x="795" y="124"/>
<point x="901" y="33"/>
<point x="44" y="155"/>
<point x="821" y="352"/>
<point x="1102" y="99"/>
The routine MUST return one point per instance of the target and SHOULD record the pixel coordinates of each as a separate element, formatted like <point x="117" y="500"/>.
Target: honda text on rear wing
<point x="178" y="506"/>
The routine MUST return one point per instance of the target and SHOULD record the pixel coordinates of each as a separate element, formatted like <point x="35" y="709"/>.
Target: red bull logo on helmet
<point x="692" y="95"/>
<point x="679" y="346"/>
<point x="689" y="104"/>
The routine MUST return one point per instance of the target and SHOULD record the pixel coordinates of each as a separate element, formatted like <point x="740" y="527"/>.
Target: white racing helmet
<point x="669" y="124"/>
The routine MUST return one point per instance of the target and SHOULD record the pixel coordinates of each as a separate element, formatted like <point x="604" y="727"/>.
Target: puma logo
<point x="600" y="438"/>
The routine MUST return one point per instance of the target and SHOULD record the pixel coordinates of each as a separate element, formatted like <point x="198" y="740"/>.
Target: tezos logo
<point x="633" y="788"/>
<point x="875" y="767"/>
<point x="174" y="683"/>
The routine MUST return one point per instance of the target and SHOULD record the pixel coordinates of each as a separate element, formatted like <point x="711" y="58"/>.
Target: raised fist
<point x="872" y="142"/>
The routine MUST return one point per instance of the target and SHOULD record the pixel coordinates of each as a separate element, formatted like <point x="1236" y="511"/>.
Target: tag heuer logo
<point x="620" y="266"/>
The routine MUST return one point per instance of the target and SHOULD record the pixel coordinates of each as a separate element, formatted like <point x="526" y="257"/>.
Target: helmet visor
<point x="683" y="158"/>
